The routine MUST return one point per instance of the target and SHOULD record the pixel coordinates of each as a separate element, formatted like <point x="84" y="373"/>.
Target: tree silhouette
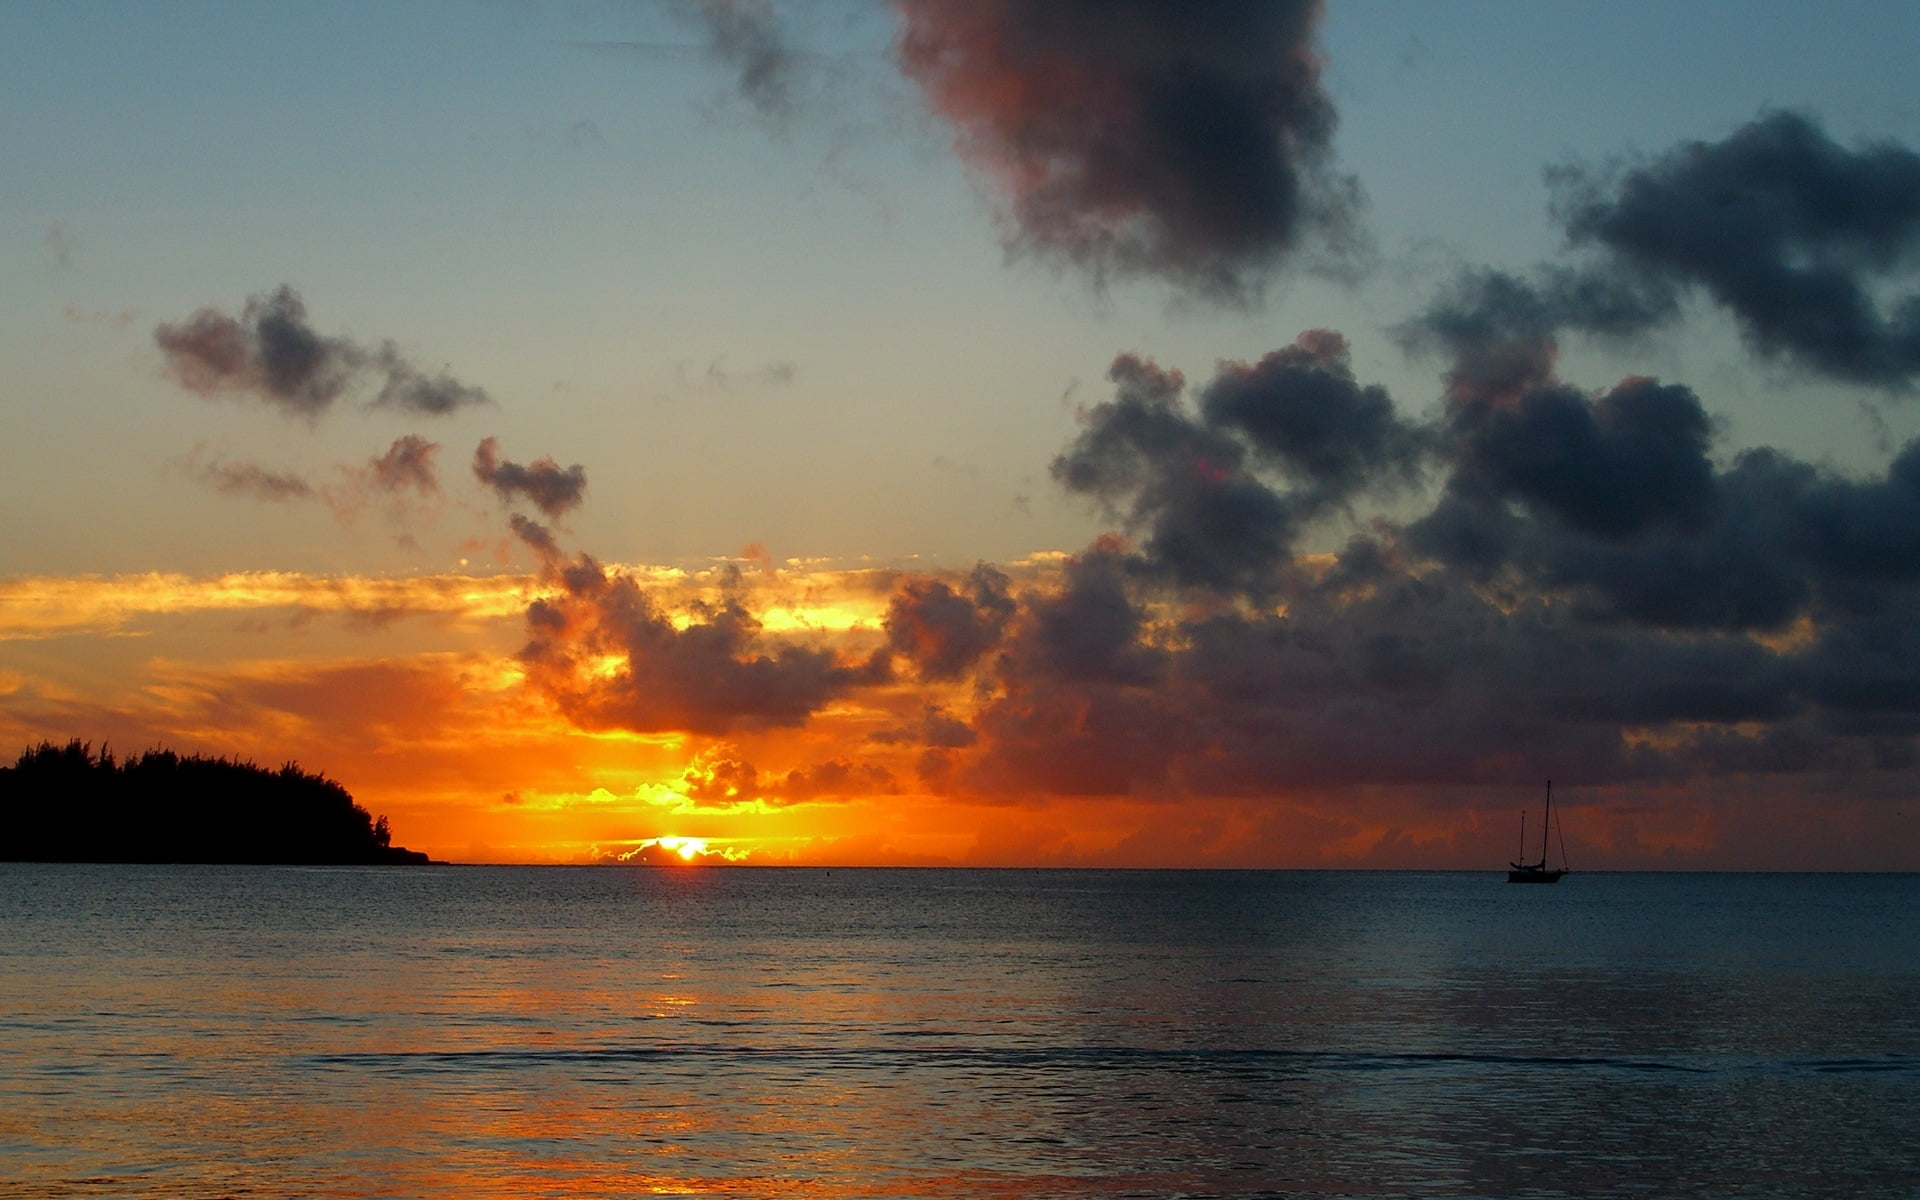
<point x="66" y="804"/>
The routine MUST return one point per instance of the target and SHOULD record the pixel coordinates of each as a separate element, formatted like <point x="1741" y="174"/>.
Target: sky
<point x="1015" y="433"/>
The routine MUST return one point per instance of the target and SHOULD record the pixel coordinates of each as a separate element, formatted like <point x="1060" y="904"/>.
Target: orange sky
<point x="415" y="693"/>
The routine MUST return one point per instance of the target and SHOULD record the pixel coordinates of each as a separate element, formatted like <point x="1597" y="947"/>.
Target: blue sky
<point x="750" y="329"/>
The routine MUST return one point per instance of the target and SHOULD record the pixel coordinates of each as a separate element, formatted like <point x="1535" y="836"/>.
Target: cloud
<point x="408" y="465"/>
<point x="249" y="479"/>
<point x="1587" y="594"/>
<point x="59" y="242"/>
<point x="1301" y="409"/>
<point x="1792" y="232"/>
<point x="943" y="631"/>
<point x="936" y="728"/>
<point x="536" y="537"/>
<point x="718" y="377"/>
<point x="835" y="779"/>
<point x="1092" y="629"/>
<point x="1613" y="499"/>
<point x="1187" y="143"/>
<point x="100" y="316"/>
<point x="1610" y="466"/>
<point x="542" y="482"/>
<point x="1502" y="330"/>
<point x="745" y="36"/>
<point x="1223" y="493"/>
<point x="1208" y="520"/>
<point x="36" y="607"/>
<point x="719" y="778"/>
<point x="752" y="40"/>
<point x="402" y="482"/>
<point x="609" y="658"/>
<point x="409" y="389"/>
<point x="271" y="352"/>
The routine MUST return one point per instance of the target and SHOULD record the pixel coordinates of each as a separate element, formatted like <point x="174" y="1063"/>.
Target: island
<point x="68" y="804"/>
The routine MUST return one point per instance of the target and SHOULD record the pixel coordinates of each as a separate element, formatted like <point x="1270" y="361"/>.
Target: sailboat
<point x="1538" y="872"/>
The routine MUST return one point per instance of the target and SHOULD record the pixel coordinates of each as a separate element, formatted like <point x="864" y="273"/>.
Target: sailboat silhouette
<point x="1523" y="871"/>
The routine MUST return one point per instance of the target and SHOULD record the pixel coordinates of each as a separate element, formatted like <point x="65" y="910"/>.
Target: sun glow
<point x="687" y="849"/>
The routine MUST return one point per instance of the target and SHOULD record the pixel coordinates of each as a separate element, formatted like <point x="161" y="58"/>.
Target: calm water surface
<point x="556" y="1032"/>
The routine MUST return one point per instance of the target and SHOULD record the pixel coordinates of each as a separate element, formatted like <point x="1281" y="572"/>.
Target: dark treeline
<point x="67" y="804"/>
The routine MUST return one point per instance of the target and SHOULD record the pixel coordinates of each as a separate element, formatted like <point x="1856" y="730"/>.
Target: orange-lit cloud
<point x="43" y="607"/>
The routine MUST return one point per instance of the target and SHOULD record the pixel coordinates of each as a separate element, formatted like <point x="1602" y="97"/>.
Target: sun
<point x="688" y="848"/>
<point x="669" y="847"/>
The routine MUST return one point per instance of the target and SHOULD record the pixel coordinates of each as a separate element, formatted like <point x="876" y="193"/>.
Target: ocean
<point x="483" y="1032"/>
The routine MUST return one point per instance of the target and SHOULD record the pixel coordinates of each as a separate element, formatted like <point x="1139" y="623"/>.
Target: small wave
<point x="895" y="1056"/>
<point x="1891" y="1064"/>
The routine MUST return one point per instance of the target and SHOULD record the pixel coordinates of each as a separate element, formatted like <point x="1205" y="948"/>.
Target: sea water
<point x="483" y="1032"/>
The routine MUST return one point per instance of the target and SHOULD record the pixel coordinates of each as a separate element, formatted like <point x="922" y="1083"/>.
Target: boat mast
<point x="1546" y="825"/>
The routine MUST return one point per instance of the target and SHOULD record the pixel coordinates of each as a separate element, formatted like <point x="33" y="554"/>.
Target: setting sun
<point x="668" y="850"/>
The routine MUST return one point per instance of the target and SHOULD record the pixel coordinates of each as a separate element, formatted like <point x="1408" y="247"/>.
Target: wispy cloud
<point x="59" y="242"/>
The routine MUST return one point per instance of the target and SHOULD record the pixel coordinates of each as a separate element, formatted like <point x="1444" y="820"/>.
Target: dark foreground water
<point x="529" y="1032"/>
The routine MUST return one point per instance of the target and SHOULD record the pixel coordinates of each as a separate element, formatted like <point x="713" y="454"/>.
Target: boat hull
<point x="1534" y="875"/>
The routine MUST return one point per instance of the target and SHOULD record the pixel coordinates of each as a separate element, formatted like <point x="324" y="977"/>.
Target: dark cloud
<point x="1501" y="330"/>
<point x="1789" y="230"/>
<point x="835" y="779"/>
<point x="717" y="674"/>
<point x="1222" y="494"/>
<point x="1868" y="531"/>
<point x="1051" y="738"/>
<point x="1090" y="630"/>
<point x="1382" y="671"/>
<point x="944" y="631"/>
<point x="1484" y="309"/>
<point x="936" y="728"/>
<point x="536" y="537"/>
<point x="1728" y="572"/>
<point x="410" y="389"/>
<point x="272" y="352"/>
<point x="542" y="483"/>
<point x="1192" y="143"/>
<point x="1207" y="520"/>
<point x="1589" y="594"/>
<point x="1612" y="466"/>
<point x="1301" y="408"/>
